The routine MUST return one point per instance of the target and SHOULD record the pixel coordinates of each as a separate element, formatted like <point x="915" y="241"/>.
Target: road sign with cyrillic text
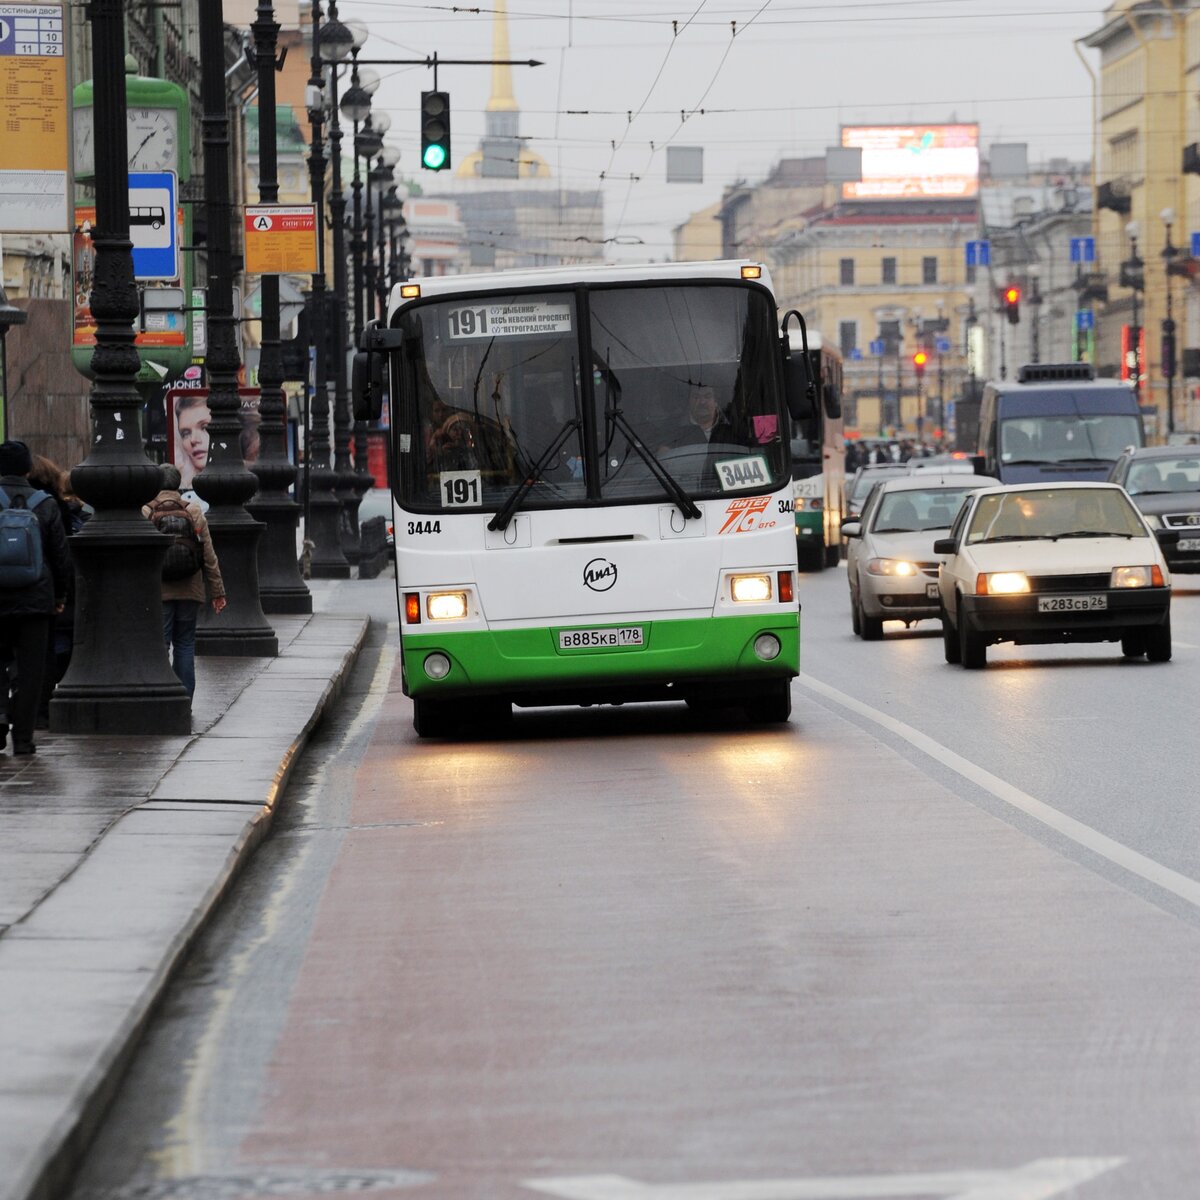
<point x="281" y="239"/>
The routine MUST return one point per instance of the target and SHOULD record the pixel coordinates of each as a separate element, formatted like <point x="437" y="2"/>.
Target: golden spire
<point x="502" y="98"/>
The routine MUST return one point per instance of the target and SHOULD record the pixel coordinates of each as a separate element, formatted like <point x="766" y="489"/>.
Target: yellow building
<point x="1146" y="113"/>
<point x="882" y="285"/>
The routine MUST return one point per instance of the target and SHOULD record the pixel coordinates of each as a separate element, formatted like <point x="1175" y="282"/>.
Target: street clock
<point x="156" y="128"/>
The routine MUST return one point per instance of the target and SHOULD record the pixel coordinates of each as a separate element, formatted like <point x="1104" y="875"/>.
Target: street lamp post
<point x="327" y="560"/>
<point x="281" y="589"/>
<point x="1034" y="300"/>
<point x="225" y="483"/>
<point x="120" y="679"/>
<point x="1133" y="277"/>
<point x="1169" y="252"/>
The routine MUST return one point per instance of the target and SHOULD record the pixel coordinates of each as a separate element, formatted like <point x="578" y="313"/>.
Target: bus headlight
<point x="767" y="647"/>
<point x="750" y="589"/>
<point x="446" y="606"/>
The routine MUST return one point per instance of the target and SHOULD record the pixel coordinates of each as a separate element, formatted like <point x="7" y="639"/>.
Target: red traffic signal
<point x="920" y="360"/>
<point x="1012" y="304"/>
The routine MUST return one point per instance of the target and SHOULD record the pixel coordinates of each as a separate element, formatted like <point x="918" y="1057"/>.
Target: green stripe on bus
<point x="674" y="651"/>
<point x="812" y="519"/>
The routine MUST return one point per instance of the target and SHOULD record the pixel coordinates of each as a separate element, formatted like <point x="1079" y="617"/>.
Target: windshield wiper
<point x="1107" y="461"/>
<point x="1016" y="537"/>
<point x="1026" y="462"/>
<point x="905" y="530"/>
<point x="502" y="518"/>
<point x="1074" y="533"/>
<point x="670" y="484"/>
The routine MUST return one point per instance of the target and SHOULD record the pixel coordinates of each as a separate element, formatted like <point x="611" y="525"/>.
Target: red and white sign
<point x="281" y="239"/>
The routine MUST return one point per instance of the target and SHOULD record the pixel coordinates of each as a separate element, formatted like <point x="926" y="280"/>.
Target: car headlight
<point x="1134" y="577"/>
<point x="891" y="566"/>
<point x="446" y="606"/>
<point x="750" y="589"/>
<point x="1002" y="583"/>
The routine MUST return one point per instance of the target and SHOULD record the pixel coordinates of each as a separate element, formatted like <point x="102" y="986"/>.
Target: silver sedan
<point x="890" y="565"/>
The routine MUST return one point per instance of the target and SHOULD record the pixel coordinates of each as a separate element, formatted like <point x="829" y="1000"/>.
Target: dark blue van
<point x="1056" y="422"/>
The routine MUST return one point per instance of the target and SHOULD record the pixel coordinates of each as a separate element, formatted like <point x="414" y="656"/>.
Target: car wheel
<point x="950" y="640"/>
<point x="1133" y="644"/>
<point x="855" y="623"/>
<point x="433" y="718"/>
<point x="1158" y="642"/>
<point x="972" y="649"/>
<point x="771" y="704"/>
<point x="871" y="628"/>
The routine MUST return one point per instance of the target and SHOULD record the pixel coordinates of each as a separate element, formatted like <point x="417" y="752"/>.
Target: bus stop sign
<point x="152" y="225"/>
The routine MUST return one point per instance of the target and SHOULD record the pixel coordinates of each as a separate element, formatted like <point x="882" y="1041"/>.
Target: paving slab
<point x="114" y="852"/>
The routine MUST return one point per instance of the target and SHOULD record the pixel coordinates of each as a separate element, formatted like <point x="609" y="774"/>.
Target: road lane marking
<point x="1082" y="835"/>
<point x="1039" y="1180"/>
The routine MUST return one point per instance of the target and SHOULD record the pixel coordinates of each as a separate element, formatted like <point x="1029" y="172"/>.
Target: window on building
<point x="847" y="337"/>
<point x="929" y="270"/>
<point x="889" y="270"/>
<point x="847" y="272"/>
<point x="889" y="334"/>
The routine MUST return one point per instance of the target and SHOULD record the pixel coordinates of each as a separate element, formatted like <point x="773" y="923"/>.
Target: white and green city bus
<point x="819" y="460"/>
<point x="592" y="479"/>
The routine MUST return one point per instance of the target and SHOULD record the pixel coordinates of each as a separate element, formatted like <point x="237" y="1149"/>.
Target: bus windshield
<point x="678" y="379"/>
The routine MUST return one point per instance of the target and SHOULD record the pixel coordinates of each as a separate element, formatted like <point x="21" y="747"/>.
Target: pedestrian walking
<point x="190" y="564"/>
<point x="49" y="477"/>
<point x="34" y="577"/>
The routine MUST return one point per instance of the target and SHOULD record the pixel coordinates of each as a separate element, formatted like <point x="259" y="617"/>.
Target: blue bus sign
<point x="152" y="224"/>
<point x="1083" y="250"/>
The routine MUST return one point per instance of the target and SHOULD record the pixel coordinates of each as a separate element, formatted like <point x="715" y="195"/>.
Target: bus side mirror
<point x="979" y="462"/>
<point x="797" y="382"/>
<point x="367" y="386"/>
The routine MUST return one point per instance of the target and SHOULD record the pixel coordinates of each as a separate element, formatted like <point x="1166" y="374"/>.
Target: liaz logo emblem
<point x="600" y="574"/>
<point x="744" y="515"/>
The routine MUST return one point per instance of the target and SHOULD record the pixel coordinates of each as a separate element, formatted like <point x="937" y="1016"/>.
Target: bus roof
<point x="557" y="277"/>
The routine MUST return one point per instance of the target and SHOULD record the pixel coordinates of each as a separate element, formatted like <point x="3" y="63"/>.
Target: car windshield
<point x="1054" y="513"/>
<point x="1067" y="438"/>
<point x="912" y="511"/>
<point x="684" y="393"/>
<point x="868" y="479"/>
<point x="1164" y="475"/>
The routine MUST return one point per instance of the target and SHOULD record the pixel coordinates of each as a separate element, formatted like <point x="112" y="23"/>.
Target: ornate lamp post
<point x="1034" y="300"/>
<point x="225" y="483"/>
<point x="328" y="561"/>
<point x="120" y="679"/>
<point x="280" y="587"/>
<point x="382" y="174"/>
<point x="1169" y="251"/>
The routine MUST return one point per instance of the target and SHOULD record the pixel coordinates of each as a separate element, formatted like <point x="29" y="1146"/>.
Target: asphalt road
<point x="936" y="937"/>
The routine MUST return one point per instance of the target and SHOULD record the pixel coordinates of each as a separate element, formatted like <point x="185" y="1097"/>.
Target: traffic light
<point x="920" y="360"/>
<point x="1012" y="304"/>
<point x="435" y="130"/>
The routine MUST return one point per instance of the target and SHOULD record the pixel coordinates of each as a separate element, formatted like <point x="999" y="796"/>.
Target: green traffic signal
<point x="435" y="130"/>
<point x="435" y="157"/>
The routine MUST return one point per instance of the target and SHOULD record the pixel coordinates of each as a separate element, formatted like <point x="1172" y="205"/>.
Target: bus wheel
<point x="433" y="718"/>
<point x="771" y="704"/>
<point x="833" y="555"/>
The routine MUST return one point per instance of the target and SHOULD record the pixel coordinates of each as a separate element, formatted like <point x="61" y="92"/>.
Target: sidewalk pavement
<point x="114" y="851"/>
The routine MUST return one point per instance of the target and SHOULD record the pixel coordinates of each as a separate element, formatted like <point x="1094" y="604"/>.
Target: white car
<point x="1053" y="562"/>
<point x="889" y="563"/>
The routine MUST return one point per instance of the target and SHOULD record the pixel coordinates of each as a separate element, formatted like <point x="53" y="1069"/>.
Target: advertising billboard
<point x="914" y="162"/>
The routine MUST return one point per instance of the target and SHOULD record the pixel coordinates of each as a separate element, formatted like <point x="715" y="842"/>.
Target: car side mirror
<point x="979" y="462"/>
<point x="852" y="529"/>
<point x="1167" y="537"/>
<point x="945" y="546"/>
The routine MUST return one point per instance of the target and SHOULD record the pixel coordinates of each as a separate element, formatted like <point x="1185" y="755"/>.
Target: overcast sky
<point x="794" y="73"/>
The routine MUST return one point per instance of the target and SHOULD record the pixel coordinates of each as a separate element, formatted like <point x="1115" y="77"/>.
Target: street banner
<point x="35" y="115"/>
<point x="281" y="239"/>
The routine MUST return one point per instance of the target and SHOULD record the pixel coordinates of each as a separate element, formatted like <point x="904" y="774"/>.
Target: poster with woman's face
<point x="191" y="418"/>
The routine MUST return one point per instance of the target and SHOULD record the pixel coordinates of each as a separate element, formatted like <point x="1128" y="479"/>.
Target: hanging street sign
<point x="281" y="239"/>
<point x="151" y="230"/>
<point x="1083" y="250"/>
<point x="979" y="254"/>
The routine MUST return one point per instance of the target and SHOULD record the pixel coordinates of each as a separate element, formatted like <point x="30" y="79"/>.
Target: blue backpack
<point x="21" y="556"/>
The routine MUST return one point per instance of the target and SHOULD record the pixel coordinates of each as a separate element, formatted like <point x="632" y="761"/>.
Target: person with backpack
<point x="35" y="572"/>
<point x="191" y="562"/>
